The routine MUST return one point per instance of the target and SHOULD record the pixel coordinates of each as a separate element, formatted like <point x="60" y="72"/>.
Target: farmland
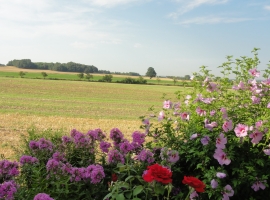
<point x="59" y="104"/>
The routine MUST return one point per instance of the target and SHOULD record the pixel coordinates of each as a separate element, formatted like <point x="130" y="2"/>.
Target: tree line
<point x="63" y="67"/>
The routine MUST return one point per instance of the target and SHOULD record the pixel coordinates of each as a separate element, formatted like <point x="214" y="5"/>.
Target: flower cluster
<point x="8" y="189"/>
<point x="28" y="160"/>
<point x="8" y="169"/>
<point x="42" y="196"/>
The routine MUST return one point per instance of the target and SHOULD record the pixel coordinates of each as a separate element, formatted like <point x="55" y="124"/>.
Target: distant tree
<point x="187" y="77"/>
<point x="107" y="78"/>
<point x="174" y="80"/>
<point x="151" y="72"/>
<point x="80" y="75"/>
<point x="141" y="80"/>
<point x="158" y="80"/>
<point x="44" y="74"/>
<point x="2" y="65"/>
<point x="88" y="76"/>
<point x="21" y="74"/>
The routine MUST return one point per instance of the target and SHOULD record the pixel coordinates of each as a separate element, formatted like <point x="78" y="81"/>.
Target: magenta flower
<point x="221" y="175"/>
<point x="267" y="151"/>
<point x="205" y="140"/>
<point x="221" y="157"/>
<point x="184" y="116"/>
<point x="211" y="87"/>
<point x="241" y="130"/>
<point x="258" y="185"/>
<point x="167" y="104"/>
<point x="212" y="112"/>
<point x="104" y="146"/>
<point x="253" y="72"/>
<point x="42" y="196"/>
<point x="224" y="113"/>
<point x="227" y="126"/>
<point x="214" y="183"/>
<point x="221" y="141"/>
<point x="256" y="137"/>
<point x="227" y="193"/>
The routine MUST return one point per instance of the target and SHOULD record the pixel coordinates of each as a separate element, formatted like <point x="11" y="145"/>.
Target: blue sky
<point x="175" y="37"/>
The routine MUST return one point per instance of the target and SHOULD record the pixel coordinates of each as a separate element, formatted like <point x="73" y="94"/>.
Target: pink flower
<point x="210" y="126"/>
<point x="257" y="185"/>
<point x="184" y="116"/>
<point x="267" y="151"/>
<point x="205" y="140"/>
<point x="200" y="111"/>
<point x="161" y="116"/>
<point x="227" y="126"/>
<point x="224" y="111"/>
<point x="255" y="100"/>
<point x="240" y="86"/>
<point x="221" y="157"/>
<point x="268" y="105"/>
<point x="221" y="175"/>
<point x="258" y="124"/>
<point x="241" y="130"/>
<point x="254" y="72"/>
<point x="214" y="183"/>
<point x="167" y="104"/>
<point x="211" y="87"/>
<point x="193" y="136"/>
<point x="256" y="137"/>
<point x="227" y="193"/>
<point x="212" y="112"/>
<point x="221" y="141"/>
<point x="193" y="195"/>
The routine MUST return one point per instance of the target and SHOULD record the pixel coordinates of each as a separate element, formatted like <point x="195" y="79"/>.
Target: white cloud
<point x="266" y="7"/>
<point x="187" y="6"/>
<point x="81" y="45"/>
<point x="212" y="20"/>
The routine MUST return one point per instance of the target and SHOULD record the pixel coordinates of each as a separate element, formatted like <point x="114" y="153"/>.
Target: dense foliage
<point x="212" y="143"/>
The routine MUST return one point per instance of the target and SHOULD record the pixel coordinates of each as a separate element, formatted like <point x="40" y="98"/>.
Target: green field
<point x="95" y="100"/>
<point x="74" y="77"/>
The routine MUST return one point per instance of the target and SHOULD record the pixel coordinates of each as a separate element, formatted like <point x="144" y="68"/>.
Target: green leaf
<point x="137" y="190"/>
<point x="159" y="189"/>
<point x="120" y="197"/>
<point x="136" y="198"/>
<point x="129" y="177"/>
<point x="128" y="194"/>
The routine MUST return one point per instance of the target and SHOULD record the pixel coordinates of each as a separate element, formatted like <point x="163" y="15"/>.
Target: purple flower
<point x="214" y="183"/>
<point x="255" y="100"/>
<point x="53" y="165"/>
<point x="146" y="155"/>
<point x="8" y="189"/>
<point x="42" y="196"/>
<point x="45" y="144"/>
<point x="212" y="112"/>
<point x="221" y="175"/>
<point x="173" y="156"/>
<point x="211" y="87"/>
<point x="66" y="140"/>
<point x="126" y="147"/>
<point x="104" y="146"/>
<point x="114" y="157"/>
<point x="227" y="192"/>
<point x="184" y="116"/>
<point x="221" y="141"/>
<point x="95" y="173"/>
<point x="258" y="185"/>
<point x="211" y="125"/>
<point x="59" y="156"/>
<point x="241" y="130"/>
<point x="116" y="135"/>
<point x="8" y="169"/>
<point x="200" y="112"/>
<point x="28" y="160"/>
<point x="268" y="105"/>
<point x="167" y="104"/>
<point x="138" y="137"/>
<point x="221" y="157"/>
<point x="205" y="140"/>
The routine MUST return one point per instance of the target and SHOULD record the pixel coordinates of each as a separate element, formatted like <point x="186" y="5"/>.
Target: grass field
<point x="11" y="71"/>
<point x="56" y="104"/>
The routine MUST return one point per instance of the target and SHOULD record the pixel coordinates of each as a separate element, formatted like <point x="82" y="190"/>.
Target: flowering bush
<point x="212" y="143"/>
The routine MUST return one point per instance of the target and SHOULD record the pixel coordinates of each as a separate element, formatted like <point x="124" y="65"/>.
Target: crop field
<point x="11" y="71"/>
<point x="57" y="104"/>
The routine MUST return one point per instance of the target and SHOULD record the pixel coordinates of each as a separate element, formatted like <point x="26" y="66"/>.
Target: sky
<point x="175" y="37"/>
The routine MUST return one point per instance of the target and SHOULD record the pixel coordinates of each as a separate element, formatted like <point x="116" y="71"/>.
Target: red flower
<point x="194" y="182"/>
<point x="158" y="173"/>
<point x="114" y="177"/>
